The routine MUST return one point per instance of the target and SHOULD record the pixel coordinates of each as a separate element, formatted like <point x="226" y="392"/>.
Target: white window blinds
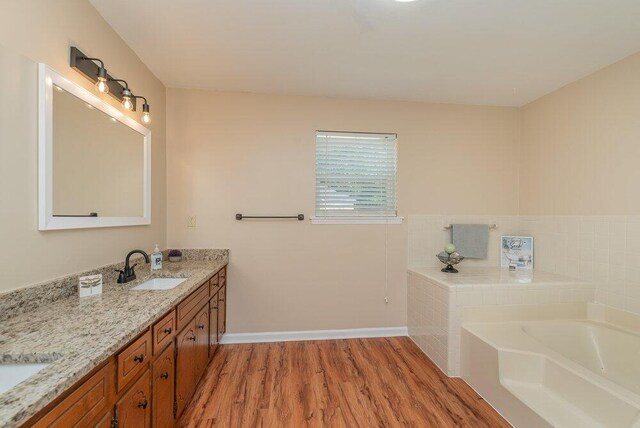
<point x="355" y="174"/>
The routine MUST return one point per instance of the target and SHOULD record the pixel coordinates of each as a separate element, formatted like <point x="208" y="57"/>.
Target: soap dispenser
<point x="156" y="259"/>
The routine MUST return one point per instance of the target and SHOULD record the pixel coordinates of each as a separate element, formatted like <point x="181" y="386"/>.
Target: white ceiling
<point x="491" y="52"/>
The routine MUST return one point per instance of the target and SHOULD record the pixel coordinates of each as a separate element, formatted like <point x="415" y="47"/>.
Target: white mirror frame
<point x="47" y="77"/>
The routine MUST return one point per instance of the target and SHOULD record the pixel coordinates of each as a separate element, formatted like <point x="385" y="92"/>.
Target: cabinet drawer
<point x="86" y="403"/>
<point x="164" y="331"/>
<point x="133" y="360"/>
<point x="213" y="285"/>
<point x="192" y="304"/>
<point x="223" y="276"/>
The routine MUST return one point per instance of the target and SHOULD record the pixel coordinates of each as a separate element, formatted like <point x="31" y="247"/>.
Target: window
<point x="355" y="178"/>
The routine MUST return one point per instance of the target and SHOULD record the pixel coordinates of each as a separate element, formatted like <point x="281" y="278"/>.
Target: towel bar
<point x="241" y="216"/>
<point x="449" y="226"/>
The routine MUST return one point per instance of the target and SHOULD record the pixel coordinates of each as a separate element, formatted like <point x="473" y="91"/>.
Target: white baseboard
<point x="289" y="336"/>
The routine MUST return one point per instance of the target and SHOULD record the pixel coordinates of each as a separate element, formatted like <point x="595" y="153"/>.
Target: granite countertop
<point x="75" y="335"/>
<point x="470" y="276"/>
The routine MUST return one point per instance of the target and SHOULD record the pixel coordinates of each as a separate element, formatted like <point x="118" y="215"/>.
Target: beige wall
<point x="580" y="181"/>
<point x="33" y="31"/>
<point x="581" y="145"/>
<point x="254" y="154"/>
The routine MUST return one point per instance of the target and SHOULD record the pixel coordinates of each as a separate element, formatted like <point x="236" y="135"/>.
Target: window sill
<point x="357" y="220"/>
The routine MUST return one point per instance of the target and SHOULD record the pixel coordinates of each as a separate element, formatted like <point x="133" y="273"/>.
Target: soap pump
<point x="156" y="259"/>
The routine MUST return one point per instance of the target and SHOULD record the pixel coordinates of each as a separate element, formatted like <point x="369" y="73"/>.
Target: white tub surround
<point x="438" y="303"/>
<point x="597" y="249"/>
<point x="561" y="373"/>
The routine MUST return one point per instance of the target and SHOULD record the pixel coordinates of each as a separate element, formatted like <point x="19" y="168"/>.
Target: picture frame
<point x="516" y="251"/>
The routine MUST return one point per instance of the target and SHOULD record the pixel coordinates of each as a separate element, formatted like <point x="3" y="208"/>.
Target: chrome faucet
<point x="129" y="274"/>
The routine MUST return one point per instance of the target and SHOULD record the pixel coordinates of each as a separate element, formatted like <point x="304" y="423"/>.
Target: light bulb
<point x="126" y="103"/>
<point x="146" y="116"/>
<point x="101" y="84"/>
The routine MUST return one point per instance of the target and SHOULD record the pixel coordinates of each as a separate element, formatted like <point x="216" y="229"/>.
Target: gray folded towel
<point x="471" y="240"/>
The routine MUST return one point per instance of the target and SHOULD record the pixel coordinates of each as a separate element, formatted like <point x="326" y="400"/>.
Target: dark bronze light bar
<point x="87" y="67"/>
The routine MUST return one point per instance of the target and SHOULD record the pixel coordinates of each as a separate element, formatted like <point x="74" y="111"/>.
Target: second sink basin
<point x="13" y="374"/>
<point x="160" y="284"/>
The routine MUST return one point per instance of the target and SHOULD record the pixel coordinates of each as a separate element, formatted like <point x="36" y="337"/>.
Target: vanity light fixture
<point x="118" y="88"/>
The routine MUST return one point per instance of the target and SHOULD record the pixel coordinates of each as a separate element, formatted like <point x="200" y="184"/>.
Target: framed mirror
<point x="94" y="162"/>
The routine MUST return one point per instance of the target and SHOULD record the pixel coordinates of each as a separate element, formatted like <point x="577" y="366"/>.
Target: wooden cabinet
<point x="133" y="360"/>
<point x="150" y="381"/>
<point x="190" y="306"/>
<point x="164" y="331"/>
<point x="133" y="410"/>
<point x="222" y="274"/>
<point x="222" y="311"/>
<point x="214" y="284"/>
<point x="185" y="367"/>
<point x="105" y="420"/>
<point x="213" y="325"/>
<point x="202" y="342"/>
<point x="86" y="403"/>
<point x="163" y="384"/>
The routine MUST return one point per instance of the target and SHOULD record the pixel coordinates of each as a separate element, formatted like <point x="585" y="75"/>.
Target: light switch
<point x="191" y="221"/>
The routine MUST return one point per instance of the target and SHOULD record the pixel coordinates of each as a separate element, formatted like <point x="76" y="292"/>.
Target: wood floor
<point x="385" y="382"/>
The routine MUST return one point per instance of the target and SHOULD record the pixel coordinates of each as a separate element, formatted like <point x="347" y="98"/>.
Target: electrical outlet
<point x="191" y="221"/>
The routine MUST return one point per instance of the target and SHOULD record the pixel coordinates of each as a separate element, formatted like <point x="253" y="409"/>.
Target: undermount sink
<point x="13" y="374"/>
<point x="160" y="284"/>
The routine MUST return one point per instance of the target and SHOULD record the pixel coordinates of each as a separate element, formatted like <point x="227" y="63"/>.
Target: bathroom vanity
<point x="128" y="358"/>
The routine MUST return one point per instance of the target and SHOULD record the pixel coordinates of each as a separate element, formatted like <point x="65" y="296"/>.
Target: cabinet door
<point x="163" y="372"/>
<point x="213" y="325"/>
<point x="202" y="342"/>
<point x="105" y="420"/>
<point x="222" y="312"/>
<point x="133" y="410"/>
<point x="185" y="373"/>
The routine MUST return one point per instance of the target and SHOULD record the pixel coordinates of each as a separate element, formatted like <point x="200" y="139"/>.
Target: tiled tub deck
<point x="438" y="303"/>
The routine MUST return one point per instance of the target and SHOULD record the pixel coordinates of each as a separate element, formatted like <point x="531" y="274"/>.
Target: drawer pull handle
<point x="192" y="338"/>
<point x="201" y="327"/>
<point x="143" y="404"/>
<point x="221" y="300"/>
<point x="164" y="375"/>
<point x="168" y="330"/>
<point x="138" y="358"/>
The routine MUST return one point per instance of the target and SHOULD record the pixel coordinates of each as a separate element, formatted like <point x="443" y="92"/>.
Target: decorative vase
<point x="450" y="260"/>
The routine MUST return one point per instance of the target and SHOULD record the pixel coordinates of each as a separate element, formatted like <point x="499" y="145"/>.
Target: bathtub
<point x="560" y="373"/>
